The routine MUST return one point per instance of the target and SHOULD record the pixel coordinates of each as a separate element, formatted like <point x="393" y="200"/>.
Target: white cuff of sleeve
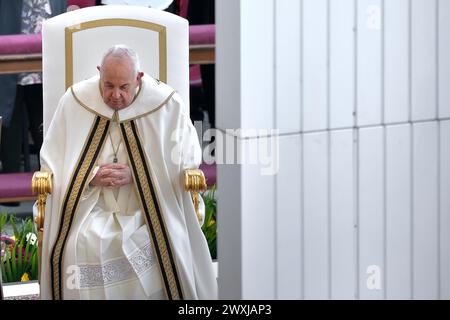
<point x="89" y="189"/>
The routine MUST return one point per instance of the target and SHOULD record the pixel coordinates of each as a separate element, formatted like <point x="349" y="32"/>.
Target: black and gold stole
<point x="83" y="169"/>
<point x="151" y="207"/>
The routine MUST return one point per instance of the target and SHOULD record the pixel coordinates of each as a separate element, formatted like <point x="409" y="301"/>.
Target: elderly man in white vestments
<point x="118" y="223"/>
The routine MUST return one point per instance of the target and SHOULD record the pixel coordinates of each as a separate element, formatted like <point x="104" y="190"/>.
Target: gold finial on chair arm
<point x="42" y="185"/>
<point x="195" y="182"/>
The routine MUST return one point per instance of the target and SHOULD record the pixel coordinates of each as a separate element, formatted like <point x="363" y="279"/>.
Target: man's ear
<point x="98" y="68"/>
<point x="139" y="76"/>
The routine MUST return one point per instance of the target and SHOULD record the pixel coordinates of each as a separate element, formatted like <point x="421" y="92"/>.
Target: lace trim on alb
<point x="117" y="270"/>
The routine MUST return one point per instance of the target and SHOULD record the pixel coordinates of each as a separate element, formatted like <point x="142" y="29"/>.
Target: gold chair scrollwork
<point x="41" y="184"/>
<point x="195" y="182"/>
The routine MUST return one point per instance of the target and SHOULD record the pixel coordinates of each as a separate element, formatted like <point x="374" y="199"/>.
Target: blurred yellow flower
<point x="25" y="277"/>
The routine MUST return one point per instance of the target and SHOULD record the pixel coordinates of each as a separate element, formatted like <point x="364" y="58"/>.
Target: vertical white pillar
<point x="358" y="207"/>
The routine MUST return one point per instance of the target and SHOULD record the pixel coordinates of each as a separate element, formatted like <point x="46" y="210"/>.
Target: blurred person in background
<point x="21" y="94"/>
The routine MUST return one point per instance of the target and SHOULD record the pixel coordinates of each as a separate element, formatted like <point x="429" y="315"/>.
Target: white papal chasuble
<point x="141" y="241"/>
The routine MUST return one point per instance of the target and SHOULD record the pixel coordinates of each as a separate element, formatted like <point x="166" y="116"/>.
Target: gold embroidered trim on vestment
<point x="155" y="109"/>
<point x="150" y="206"/>
<point x="134" y="118"/>
<point x="82" y="171"/>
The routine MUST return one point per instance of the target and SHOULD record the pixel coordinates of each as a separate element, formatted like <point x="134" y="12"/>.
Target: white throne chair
<point x="73" y="45"/>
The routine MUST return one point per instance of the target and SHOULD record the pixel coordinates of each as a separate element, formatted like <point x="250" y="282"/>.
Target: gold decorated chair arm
<point x="195" y="182"/>
<point x="41" y="184"/>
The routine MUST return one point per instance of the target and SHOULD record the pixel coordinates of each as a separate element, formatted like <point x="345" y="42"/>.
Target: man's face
<point x="118" y="82"/>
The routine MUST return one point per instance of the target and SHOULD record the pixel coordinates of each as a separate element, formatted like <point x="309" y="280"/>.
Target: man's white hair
<point x="123" y="51"/>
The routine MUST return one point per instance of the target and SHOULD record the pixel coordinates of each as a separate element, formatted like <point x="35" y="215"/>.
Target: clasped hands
<point x="112" y="175"/>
